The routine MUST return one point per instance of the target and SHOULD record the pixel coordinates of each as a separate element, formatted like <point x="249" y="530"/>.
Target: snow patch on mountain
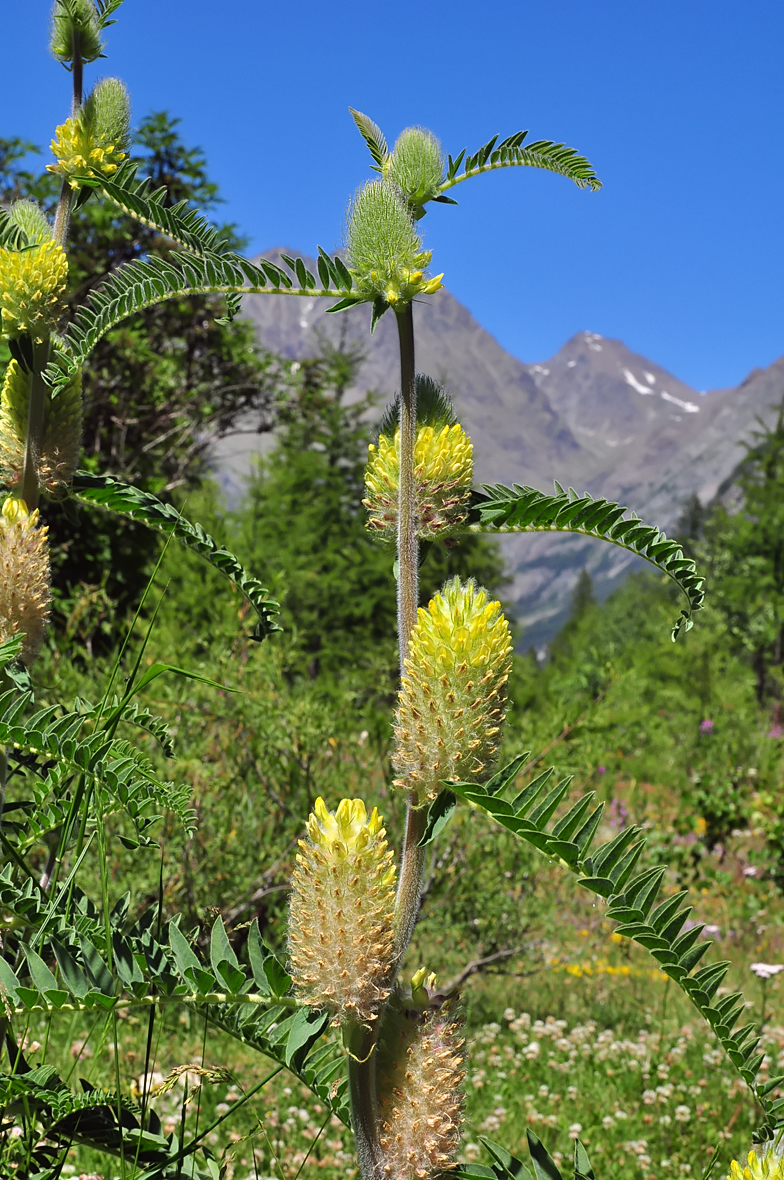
<point x="630" y="379"/>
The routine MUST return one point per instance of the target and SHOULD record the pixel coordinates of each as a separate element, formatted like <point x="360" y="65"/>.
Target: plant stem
<point x="407" y="545"/>
<point x="36" y="421"/>
<point x="360" y="1044"/>
<point x="412" y="868"/>
<point x="63" y="215"/>
<point x="412" y="861"/>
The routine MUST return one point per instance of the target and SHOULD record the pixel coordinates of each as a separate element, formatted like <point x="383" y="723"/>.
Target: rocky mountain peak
<point x="596" y="415"/>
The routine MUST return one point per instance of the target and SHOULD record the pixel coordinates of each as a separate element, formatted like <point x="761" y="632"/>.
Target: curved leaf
<point x="129" y="501"/>
<point x="146" y="282"/>
<point x="609" y="872"/>
<point x="511" y="152"/>
<point x="527" y="510"/>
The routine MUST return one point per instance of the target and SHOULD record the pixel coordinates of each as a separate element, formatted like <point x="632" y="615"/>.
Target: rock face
<point x="595" y="416"/>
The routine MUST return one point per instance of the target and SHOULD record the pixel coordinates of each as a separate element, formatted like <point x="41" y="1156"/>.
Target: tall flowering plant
<point x="385" y="1053"/>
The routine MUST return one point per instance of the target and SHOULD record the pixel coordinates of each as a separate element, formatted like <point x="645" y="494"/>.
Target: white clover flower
<point x="766" y="970"/>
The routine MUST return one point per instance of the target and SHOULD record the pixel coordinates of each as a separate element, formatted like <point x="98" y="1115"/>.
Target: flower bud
<point x="96" y="140"/>
<point x="75" y="31"/>
<point x="32" y="285"/>
<point x="60" y="447"/>
<point x="32" y="221"/>
<point x="416" y="165"/>
<point x="342" y="910"/>
<point x="24" y="577"/>
<point x="384" y="250"/>
<point x="768" y="1165"/>
<point x="443" y="474"/>
<point x="451" y="703"/>
<point x="421" y="1075"/>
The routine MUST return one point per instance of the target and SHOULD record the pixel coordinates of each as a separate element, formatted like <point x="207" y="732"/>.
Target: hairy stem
<point x="36" y="421"/>
<point x="412" y="861"/>
<point x="63" y="216"/>
<point x="407" y="545"/>
<point x="360" y="1045"/>
<point x="412" y="871"/>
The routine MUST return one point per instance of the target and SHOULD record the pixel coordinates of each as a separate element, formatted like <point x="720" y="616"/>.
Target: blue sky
<point x="678" y="105"/>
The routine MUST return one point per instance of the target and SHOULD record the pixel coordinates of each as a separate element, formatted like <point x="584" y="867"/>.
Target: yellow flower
<point x="443" y="473"/>
<point x="769" y="1165"/>
<point x="341" y="913"/>
<point x="24" y="577"/>
<point x="95" y="141"/>
<point x="79" y="156"/>
<point x="32" y="285"/>
<point x="452" y="699"/>
<point x="421" y="1096"/>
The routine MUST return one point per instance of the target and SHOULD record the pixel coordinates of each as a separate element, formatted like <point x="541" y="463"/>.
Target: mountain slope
<point x="596" y="416"/>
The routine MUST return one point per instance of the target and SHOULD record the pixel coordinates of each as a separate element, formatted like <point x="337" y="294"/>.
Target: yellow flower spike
<point x="768" y="1165"/>
<point x="443" y="474"/>
<point x="32" y="285"/>
<point x="341" y="913"/>
<point x="62" y="431"/>
<point x="421" y="1076"/>
<point x="24" y="577"/>
<point x="96" y="140"/>
<point x="452" y="699"/>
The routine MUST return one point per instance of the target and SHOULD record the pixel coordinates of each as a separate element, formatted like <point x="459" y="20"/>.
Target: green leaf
<point x="524" y="509"/>
<point x="380" y="307"/>
<point x="438" y="816"/>
<point x="608" y="872"/>
<point x="223" y="959"/>
<point x="553" y="157"/>
<point x="8" y="981"/>
<point x="126" y="500"/>
<point x="144" y="283"/>
<point x="42" y="976"/>
<point x="544" y="1165"/>
<point x="54" y="747"/>
<point x="156" y="670"/>
<point x="372" y="135"/>
<point x="183" y="953"/>
<point x="511" y="1166"/>
<point x="75" y="979"/>
<point x="271" y="978"/>
<point x="582" y="1165"/>
<point x="306" y="1028"/>
<point x="97" y="969"/>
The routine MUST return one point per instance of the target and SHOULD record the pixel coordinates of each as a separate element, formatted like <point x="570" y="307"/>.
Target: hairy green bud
<point x="32" y="221"/>
<point x="384" y="250"/>
<point x="452" y="697"/>
<point x="75" y="31"/>
<point x="107" y="114"/>
<point x="62" y="435"/>
<point x="97" y="139"/>
<point x="416" y="165"/>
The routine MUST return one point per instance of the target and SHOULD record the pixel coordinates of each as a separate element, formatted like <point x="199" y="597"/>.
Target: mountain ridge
<point x="594" y="415"/>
